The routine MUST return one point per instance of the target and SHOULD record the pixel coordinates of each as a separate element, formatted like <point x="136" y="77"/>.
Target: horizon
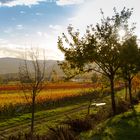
<point x="38" y="23"/>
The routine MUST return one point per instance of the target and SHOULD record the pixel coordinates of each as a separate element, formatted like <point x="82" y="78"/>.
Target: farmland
<point x="62" y="97"/>
<point x="11" y="94"/>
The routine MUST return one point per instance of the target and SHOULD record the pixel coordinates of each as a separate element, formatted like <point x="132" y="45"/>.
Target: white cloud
<point x="22" y="12"/>
<point x="26" y="35"/>
<point x="11" y="3"/>
<point x="43" y="35"/>
<point x="19" y="27"/>
<point x="18" y="50"/>
<point x="72" y="19"/>
<point x="3" y="41"/>
<point x="56" y="27"/>
<point x="68" y="2"/>
<point x="39" y="33"/>
<point x="38" y="14"/>
<point x="8" y="30"/>
<point x="9" y="49"/>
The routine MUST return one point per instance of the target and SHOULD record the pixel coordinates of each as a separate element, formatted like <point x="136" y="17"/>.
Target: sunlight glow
<point x="121" y="33"/>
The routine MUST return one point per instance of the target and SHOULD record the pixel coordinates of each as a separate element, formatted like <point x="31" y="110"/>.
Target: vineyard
<point x="11" y="94"/>
<point x="67" y="85"/>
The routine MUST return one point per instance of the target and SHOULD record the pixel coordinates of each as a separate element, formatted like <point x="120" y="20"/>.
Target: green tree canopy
<point x="130" y="63"/>
<point x="99" y="49"/>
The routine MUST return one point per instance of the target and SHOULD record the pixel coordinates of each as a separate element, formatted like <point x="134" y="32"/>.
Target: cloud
<point x="3" y="41"/>
<point x="11" y="3"/>
<point x="68" y="2"/>
<point x="39" y="33"/>
<point x="22" y="12"/>
<point x="56" y="27"/>
<point x="72" y="19"/>
<point x="8" y="30"/>
<point x="48" y="41"/>
<point x="19" y="27"/>
<point x="38" y="14"/>
<point x="10" y="49"/>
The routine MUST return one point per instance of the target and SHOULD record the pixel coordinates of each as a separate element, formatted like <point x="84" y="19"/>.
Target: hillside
<point x="11" y="66"/>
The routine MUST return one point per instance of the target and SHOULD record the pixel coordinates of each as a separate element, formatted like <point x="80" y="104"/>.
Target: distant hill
<point x="11" y="66"/>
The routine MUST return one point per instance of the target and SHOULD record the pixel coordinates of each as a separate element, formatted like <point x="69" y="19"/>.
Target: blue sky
<point x="38" y="23"/>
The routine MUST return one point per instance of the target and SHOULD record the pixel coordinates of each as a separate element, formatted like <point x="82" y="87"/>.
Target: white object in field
<point x="98" y="104"/>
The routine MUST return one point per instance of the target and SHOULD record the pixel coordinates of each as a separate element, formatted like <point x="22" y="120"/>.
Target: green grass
<point x="125" y="126"/>
<point x="43" y="119"/>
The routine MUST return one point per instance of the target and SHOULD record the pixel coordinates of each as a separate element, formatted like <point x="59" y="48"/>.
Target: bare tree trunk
<point x="113" y="95"/>
<point x="33" y="112"/>
<point x="89" y="106"/>
<point x="126" y="91"/>
<point x="32" y="80"/>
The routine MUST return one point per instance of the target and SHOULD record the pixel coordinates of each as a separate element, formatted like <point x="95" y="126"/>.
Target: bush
<point x="122" y="105"/>
<point x="79" y="125"/>
<point x="61" y="133"/>
<point x="135" y="100"/>
<point x="138" y="95"/>
<point x="58" y="133"/>
<point x="102" y="114"/>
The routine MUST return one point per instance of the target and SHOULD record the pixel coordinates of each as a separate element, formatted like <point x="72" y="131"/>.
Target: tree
<point x="130" y="63"/>
<point x="31" y="75"/>
<point x="98" y="50"/>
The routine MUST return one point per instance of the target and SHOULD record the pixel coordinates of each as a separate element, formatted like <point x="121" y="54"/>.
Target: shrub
<point x="138" y="95"/>
<point x="61" y="133"/>
<point x="58" y="133"/>
<point x="135" y="100"/>
<point x="122" y="105"/>
<point x="79" y="125"/>
<point x="102" y="114"/>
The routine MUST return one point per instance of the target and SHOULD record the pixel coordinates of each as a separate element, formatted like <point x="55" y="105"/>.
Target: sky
<point x="28" y="24"/>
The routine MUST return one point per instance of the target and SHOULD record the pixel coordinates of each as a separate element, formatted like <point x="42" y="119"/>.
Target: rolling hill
<point x="11" y="66"/>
